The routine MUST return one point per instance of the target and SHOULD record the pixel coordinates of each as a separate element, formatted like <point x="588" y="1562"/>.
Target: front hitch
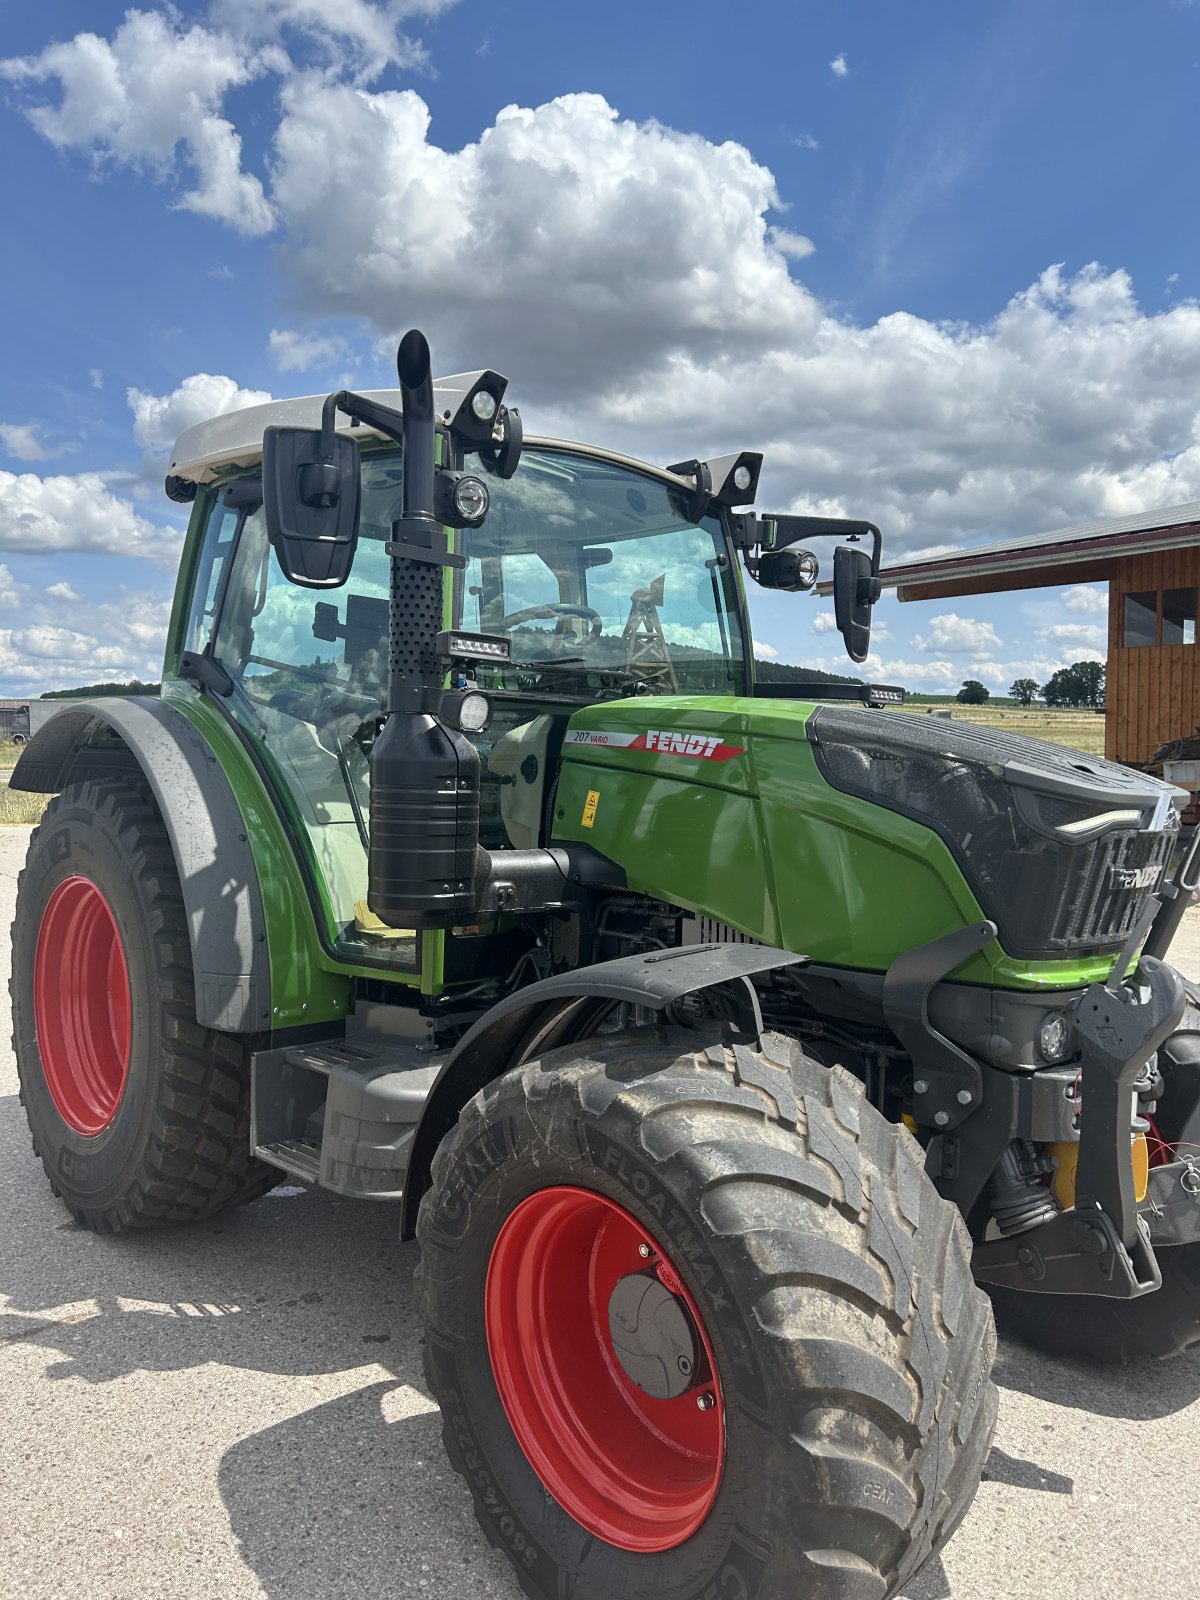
<point x="1102" y="1246"/>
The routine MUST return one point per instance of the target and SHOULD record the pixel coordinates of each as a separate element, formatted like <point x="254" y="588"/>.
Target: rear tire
<point x="139" y="1115"/>
<point x="828" y="1279"/>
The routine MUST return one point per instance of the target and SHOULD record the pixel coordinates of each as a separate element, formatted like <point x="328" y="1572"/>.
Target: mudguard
<point x="96" y="738"/>
<point x="556" y="1011"/>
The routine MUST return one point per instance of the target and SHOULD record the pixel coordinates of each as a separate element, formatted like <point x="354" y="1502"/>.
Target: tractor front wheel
<point x="699" y="1324"/>
<point x="140" y="1115"/>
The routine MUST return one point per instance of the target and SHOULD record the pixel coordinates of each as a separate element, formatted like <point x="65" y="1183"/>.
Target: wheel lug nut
<point x="705" y="1402"/>
<point x="644" y="1250"/>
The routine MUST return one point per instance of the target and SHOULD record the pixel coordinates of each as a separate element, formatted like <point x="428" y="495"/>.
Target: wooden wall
<point x="1153" y="691"/>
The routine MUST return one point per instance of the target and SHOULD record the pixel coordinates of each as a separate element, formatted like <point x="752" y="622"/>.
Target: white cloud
<point x="951" y="634"/>
<point x="764" y="651"/>
<point x="296" y="352"/>
<point x="10" y="590"/>
<point x="62" y="591"/>
<point x="824" y="622"/>
<point x="806" y="141"/>
<point x="1090" y="635"/>
<point x="1088" y="597"/>
<point x="796" y="246"/>
<point x="23" y="441"/>
<point x="838" y="66"/>
<point x="159" y="419"/>
<point x="97" y="377"/>
<point x="352" y="35"/>
<point x="40" y="515"/>
<point x="135" y="99"/>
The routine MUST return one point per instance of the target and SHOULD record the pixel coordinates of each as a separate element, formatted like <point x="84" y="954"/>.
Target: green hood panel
<point x="717" y="805"/>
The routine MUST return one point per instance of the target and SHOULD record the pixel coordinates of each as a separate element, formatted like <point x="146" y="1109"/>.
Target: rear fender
<point x="90" y="739"/>
<point x="558" y="1011"/>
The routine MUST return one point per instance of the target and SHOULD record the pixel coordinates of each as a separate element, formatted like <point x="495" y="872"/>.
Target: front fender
<point x="91" y="739"/>
<point x="557" y="1011"/>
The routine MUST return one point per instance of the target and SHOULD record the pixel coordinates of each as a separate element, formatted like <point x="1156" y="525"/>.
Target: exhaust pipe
<point x="423" y="861"/>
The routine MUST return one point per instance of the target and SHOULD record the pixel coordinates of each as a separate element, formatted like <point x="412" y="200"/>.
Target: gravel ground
<point x="236" y="1410"/>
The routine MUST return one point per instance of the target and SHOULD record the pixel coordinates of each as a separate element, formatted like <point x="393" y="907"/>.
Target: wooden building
<point x="1151" y="563"/>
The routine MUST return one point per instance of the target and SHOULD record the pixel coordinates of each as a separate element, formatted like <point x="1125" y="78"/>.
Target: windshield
<point x="601" y="583"/>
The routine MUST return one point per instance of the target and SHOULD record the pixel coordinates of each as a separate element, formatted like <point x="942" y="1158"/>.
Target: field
<point x="16" y="808"/>
<point x="1081" y="730"/>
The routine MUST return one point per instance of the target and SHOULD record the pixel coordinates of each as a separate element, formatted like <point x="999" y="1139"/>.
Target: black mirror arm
<point x="359" y="409"/>
<point x="754" y="535"/>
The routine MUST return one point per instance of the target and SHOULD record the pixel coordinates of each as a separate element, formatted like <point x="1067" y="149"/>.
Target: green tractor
<point x="715" y="1043"/>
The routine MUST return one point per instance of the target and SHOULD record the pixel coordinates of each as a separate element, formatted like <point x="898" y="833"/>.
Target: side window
<point x="1179" y="616"/>
<point x="214" y="552"/>
<point x="1141" y="619"/>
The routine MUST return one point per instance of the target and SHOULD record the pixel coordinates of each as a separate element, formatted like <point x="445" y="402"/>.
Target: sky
<point x="939" y="262"/>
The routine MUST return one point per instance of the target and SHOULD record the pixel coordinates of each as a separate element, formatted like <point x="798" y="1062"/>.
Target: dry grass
<point x="1081" y="730"/>
<point x="20" y="809"/>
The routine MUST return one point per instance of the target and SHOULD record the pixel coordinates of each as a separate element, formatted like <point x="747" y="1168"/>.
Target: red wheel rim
<point x="81" y="1005"/>
<point x="638" y="1472"/>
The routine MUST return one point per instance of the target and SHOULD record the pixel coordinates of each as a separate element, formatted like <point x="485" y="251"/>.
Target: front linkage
<point x="984" y="1120"/>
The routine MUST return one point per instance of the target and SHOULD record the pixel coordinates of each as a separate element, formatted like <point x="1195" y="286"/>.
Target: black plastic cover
<point x="311" y="503"/>
<point x="999" y="801"/>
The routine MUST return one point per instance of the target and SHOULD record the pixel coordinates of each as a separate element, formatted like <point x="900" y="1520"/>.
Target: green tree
<point x="1080" y="684"/>
<point x="972" y="693"/>
<point x="1023" y="690"/>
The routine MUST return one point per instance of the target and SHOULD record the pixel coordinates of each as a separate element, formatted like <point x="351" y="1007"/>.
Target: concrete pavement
<point x="236" y="1410"/>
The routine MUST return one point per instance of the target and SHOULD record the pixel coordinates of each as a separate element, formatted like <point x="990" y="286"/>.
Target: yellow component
<point x="1066" y="1156"/>
<point x="588" y="819"/>
<point x="1141" y="1167"/>
<point x="366" y="921"/>
<point x="909" y="1122"/>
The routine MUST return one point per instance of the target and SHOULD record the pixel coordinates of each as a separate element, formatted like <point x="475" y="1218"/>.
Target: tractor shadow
<point x="1145" y="1391"/>
<point x="300" y="1282"/>
<point x="342" y="1501"/>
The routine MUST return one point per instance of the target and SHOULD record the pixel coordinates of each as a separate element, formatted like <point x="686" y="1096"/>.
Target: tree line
<point x="1080" y="684"/>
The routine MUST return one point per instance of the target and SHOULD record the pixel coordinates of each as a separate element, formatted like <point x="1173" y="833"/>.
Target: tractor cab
<point x="589" y="567"/>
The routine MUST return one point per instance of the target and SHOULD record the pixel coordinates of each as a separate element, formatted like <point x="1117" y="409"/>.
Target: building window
<point x="1179" y="616"/>
<point x="1141" y="618"/>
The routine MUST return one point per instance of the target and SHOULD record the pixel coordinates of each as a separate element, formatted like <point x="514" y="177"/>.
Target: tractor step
<point x="341" y="1112"/>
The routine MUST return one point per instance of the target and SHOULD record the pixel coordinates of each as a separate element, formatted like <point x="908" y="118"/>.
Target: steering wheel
<point x="540" y="612"/>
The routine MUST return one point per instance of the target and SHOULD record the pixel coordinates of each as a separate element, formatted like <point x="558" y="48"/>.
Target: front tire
<point x="140" y="1116"/>
<point x="840" y="1407"/>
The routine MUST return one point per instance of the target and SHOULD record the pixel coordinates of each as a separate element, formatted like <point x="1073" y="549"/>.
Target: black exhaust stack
<point x="424" y="853"/>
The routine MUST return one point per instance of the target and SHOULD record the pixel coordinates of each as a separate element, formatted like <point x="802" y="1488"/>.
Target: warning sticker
<point x="697" y="746"/>
<point x="588" y="819"/>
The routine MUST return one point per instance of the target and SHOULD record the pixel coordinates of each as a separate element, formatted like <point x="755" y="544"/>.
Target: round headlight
<point x="483" y="404"/>
<point x="1054" y="1036"/>
<point x="742" y="477"/>
<point x="474" y="712"/>
<point x="807" y="568"/>
<point x="471" y="499"/>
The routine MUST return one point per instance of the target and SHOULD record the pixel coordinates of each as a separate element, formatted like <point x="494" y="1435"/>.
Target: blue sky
<point x="938" y="261"/>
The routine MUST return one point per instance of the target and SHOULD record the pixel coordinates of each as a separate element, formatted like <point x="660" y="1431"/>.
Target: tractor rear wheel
<point x="699" y="1324"/>
<point x="140" y="1116"/>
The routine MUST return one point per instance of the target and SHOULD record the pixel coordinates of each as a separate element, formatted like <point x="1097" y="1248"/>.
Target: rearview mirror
<point x="310" y="484"/>
<point x="855" y="591"/>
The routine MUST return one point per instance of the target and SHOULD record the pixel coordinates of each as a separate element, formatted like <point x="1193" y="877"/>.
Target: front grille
<point x="1124" y="871"/>
<point x="706" y="930"/>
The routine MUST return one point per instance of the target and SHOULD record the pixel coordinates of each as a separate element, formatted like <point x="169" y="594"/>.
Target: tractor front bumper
<point x="1105" y="1245"/>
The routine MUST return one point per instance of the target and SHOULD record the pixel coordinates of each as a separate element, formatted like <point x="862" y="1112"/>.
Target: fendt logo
<point x="703" y="746"/>
<point x="697" y="746"/>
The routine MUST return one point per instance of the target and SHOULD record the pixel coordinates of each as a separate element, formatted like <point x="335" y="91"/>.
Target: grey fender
<point x="100" y="738"/>
<point x="558" y="1011"/>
